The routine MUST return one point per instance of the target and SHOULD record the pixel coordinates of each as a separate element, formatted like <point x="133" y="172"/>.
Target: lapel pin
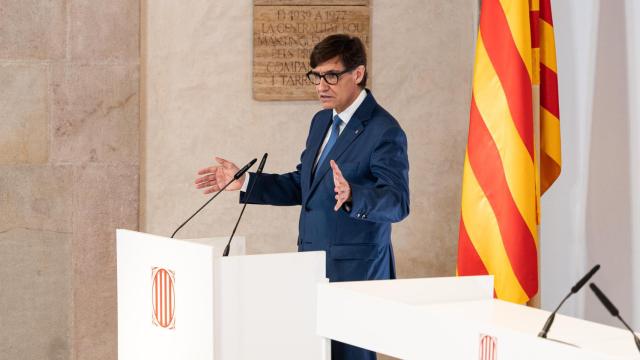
<point x="357" y="131"/>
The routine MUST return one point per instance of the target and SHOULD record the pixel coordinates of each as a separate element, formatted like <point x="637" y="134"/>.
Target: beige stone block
<point x="36" y="198"/>
<point x="105" y="198"/>
<point x="24" y="132"/>
<point x="32" y="29"/>
<point x="35" y="295"/>
<point x="95" y="114"/>
<point x="104" y="30"/>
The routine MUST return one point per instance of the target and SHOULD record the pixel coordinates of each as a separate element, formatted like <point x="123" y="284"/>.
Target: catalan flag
<point x="514" y="82"/>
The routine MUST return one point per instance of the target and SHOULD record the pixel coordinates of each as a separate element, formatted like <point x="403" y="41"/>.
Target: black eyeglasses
<point x="330" y="77"/>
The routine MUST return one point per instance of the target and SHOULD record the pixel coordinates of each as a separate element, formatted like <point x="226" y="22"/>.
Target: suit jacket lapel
<point x="314" y="147"/>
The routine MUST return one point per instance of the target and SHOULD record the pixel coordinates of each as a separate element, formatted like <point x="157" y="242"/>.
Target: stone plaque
<point x="284" y="33"/>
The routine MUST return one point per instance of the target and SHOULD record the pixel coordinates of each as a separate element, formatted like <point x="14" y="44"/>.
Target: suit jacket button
<point x="364" y="216"/>
<point x="358" y="215"/>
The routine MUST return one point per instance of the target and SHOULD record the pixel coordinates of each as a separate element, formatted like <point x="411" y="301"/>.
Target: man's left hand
<point x="342" y="188"/>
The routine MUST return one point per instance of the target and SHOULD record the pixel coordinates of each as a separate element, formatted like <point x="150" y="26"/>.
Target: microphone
<point x="246" y="199"/>
<point x="237" y="176"/>
<point x="574" y="289"/>
<point x="613" y="310"/>
<point x="241" y="172"/>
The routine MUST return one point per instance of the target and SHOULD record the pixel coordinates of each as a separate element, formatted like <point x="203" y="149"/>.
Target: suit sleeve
<point x="388" y="199"/>
<point x="274" y="189"/>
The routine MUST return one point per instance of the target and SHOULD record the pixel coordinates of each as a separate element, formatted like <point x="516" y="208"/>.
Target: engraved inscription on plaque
<point x="283" y="37"/>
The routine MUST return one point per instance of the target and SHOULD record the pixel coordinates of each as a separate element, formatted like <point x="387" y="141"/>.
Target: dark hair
<point x="349" y="48"/>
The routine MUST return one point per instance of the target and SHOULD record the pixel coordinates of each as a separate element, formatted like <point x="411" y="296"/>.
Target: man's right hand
<point x="217" y="176"/>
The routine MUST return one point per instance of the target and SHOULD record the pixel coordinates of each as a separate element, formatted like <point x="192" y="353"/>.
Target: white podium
<point x="179" y="299"/>
<point x="457" y="318"/>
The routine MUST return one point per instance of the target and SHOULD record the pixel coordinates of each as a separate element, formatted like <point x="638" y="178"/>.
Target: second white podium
<point x="457" y="318"/>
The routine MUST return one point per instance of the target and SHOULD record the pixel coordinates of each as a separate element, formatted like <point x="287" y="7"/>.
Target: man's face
<point x="345" y="91"/>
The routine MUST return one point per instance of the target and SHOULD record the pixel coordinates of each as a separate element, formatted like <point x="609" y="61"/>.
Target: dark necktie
<point x="335" y="132"/>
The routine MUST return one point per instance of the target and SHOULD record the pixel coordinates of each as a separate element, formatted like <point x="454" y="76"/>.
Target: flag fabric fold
<point x="502" y="180"/>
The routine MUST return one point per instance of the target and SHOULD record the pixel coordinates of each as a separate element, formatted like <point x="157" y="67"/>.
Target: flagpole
<point x="535" y="301"/>
<point x="535" y="92"/>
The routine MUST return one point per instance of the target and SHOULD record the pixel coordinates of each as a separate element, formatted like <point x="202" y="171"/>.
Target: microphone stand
<point x="246" y="201"/>
<point x="202" y="207"/>
<point x="235" y="177"/>
<point x="613" y="311"/>
<point x="574" y="289"/>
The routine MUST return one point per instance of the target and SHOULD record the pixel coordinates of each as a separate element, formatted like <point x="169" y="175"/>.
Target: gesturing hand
<point x="342" y="188"/>
<point x="217" y="176"/>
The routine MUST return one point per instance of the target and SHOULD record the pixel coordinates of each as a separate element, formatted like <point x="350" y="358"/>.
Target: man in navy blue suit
<point x="353" y="178"/>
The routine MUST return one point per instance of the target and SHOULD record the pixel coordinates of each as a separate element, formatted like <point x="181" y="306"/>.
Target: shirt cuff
<point x="246" y="183"/>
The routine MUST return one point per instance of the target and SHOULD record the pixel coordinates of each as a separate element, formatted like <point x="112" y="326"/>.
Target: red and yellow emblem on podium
<point x="163" y="297"/>
<point x="488" y="347"/>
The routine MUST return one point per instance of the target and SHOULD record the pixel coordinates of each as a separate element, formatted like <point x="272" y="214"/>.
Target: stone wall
<point x="69" y="164"/>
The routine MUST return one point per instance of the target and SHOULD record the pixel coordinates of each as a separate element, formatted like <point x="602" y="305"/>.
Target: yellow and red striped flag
<point x="502" y="182"/>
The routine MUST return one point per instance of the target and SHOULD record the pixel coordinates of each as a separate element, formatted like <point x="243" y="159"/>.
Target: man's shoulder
<point x="374" y="114"/>
<point x="383" y="119"/>
<point x="318" y="118"/>
<point x="323" y="113"/>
